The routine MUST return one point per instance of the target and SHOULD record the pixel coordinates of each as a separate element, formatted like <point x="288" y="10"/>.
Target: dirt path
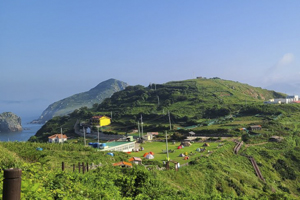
<point x="250" y="145"/>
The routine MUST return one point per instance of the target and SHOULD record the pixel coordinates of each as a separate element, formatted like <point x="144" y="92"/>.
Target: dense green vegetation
<point x="216" y="175"/>
<point x="190" y="103"/>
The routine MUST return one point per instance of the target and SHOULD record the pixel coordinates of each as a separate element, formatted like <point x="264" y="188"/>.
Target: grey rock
<point x="9" y="122"/>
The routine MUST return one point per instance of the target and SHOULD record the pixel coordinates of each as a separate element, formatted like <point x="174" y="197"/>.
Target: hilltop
<point x="189" y="102"/>
<point x="85" y="99"/>
<point x="187" y="98"/>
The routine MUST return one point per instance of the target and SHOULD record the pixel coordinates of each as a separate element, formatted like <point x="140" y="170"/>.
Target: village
<point x="150" y="146"/>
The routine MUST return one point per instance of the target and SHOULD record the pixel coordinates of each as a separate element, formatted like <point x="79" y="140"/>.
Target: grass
<point x="158" y="147"/>
<point x="219" y="173"/>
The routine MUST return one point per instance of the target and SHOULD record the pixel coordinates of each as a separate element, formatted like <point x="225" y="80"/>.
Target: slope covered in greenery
<point x="190" y="103"/>
<point x="95" y="95"/>
<point x="186" y="98"/>
<point x="220" y="174"/>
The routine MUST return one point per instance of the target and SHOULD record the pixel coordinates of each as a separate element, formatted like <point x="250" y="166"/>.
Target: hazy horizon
<point x="50" y="50"/>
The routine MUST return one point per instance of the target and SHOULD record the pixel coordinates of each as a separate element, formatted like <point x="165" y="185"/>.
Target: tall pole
<point x="98" y="134"/>
<point x="111" y="115"/>
<point x="167" y="146"/>
<point x="157" y="100"/>
<point x="170" y="121"/>
<point x="84" y="136"/>
<point x="61" y="135"/>
<point x="139" y="129"/>
<point x="142" y="125"/>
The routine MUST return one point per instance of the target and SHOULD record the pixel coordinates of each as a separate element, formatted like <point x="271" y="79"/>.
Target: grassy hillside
<point x="197" y="103"/>
<point x="186" y="98"/>
<point x="220" y="174"/>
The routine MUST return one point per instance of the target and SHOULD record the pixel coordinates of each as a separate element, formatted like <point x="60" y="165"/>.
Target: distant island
<point x="9" y="122"/>
<point x="87" y="99"/>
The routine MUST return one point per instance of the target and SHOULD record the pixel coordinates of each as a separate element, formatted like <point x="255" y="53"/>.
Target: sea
<point x="28" y="131"/>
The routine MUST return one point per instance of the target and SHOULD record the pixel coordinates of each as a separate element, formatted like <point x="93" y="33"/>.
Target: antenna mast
<point x="142" y="125"/>
<point x="170" y="120"/>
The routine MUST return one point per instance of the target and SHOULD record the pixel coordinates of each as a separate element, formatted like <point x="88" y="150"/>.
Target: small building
<point x="153" y="133"/>
<point x="123" y="164"/>
<point x="123" y="146"/>
<point x="100" y="121"/>
<point x="192" y="133"/>
<point x="255" y="127"/>
<point x="275" y="139"/>
<point x="148" y="137"/>
<point x="135" y="160"/>
<point x="57" y="138"/>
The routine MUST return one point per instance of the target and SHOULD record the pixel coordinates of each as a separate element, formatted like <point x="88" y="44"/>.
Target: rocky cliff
<point x="95" y="95"/>
<point x="9" y="122"/>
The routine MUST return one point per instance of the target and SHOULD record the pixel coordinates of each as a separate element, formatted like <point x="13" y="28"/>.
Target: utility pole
<point x="98" y="134"/>
<point x="84" y="136"/>
<point x="142" y="125"/>
<point x="110" y="115"/>
<point x="61" y="135"/>
<point x="167" y="146"/>
<point x="139" y="130"/>
<point x="157" y="100"/>
<point x="170" y="120"/>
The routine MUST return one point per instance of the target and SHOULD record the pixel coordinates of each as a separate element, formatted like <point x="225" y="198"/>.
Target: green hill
<point x="186" y="98"/>
<point x="197" y="102"/>
<point x="85" y="99"/>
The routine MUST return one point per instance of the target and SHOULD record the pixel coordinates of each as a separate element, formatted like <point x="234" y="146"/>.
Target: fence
<point x="12" y="179"/>
<point x="81" y="166"/>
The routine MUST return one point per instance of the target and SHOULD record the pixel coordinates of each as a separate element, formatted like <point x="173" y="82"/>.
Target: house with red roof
<point x="57" y="138"/>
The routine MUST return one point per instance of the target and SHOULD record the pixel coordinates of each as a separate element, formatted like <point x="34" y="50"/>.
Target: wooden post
<point x="79" y="167"/>
<point x="12" y="184"/>
<point x="168" y="165"/>
<point x="87" y="167"/>
<point x="83" y="168"/>
<point x="73" y="167"/>
<point x="63" y="166"/>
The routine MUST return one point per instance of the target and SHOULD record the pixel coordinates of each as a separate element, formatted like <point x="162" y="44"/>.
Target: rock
<point x="9" y="122"/>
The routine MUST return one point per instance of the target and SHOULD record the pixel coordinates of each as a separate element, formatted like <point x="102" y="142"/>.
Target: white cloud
<point x="287" y="59"/>
<point x="282" y="71"/>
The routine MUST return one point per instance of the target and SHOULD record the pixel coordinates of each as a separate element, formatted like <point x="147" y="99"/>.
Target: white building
<point x="288" y="99"/>
<point x="118" y="146"/>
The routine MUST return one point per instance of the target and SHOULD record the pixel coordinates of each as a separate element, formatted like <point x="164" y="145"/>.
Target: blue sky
<point x="50" y="50"/>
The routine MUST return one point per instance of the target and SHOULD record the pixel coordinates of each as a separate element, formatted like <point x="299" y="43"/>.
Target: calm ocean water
<point x="28" y="131"/>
